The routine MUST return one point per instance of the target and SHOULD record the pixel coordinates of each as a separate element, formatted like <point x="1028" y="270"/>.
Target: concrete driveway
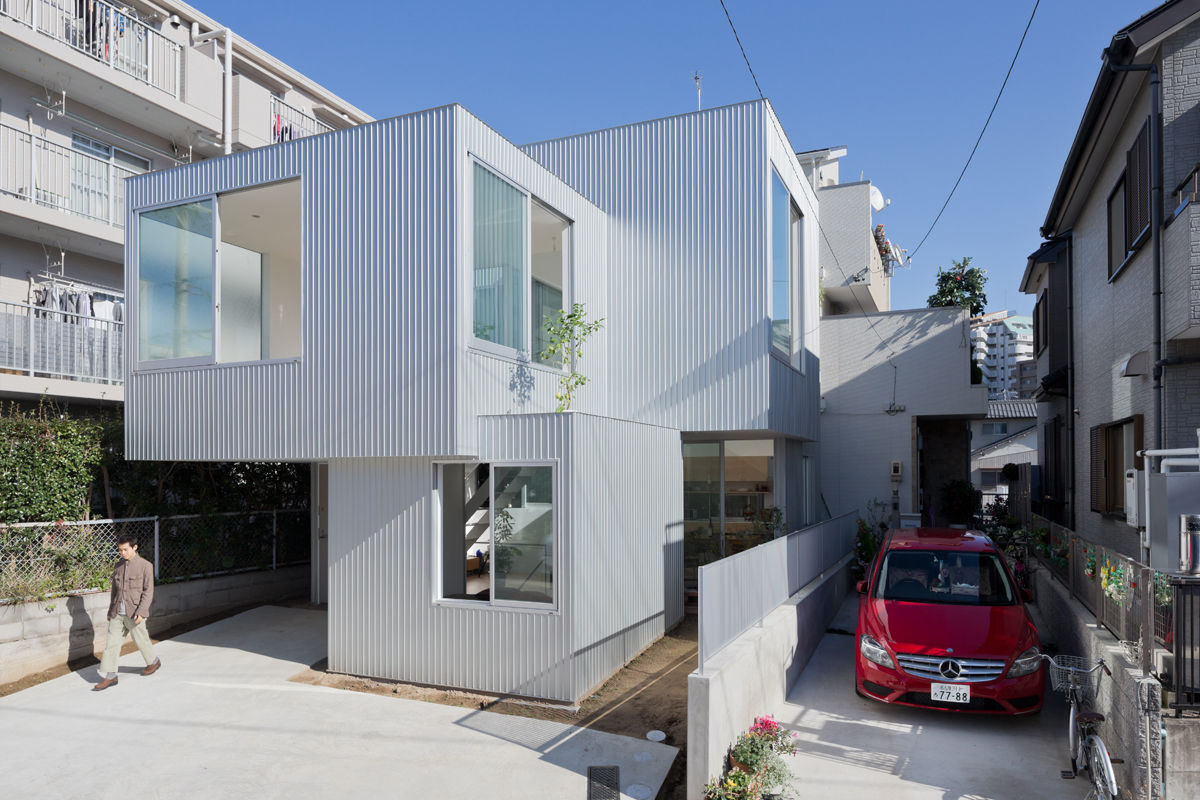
<point x="852" y="747"/>
<point x="221" y="719"/>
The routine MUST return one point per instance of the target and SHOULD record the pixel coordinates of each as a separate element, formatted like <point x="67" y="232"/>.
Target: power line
<point x="985" y="127"/>
<point x="744" y="56"/>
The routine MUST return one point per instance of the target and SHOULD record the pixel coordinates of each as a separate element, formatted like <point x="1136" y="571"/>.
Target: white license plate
<point x="950" y="692"/>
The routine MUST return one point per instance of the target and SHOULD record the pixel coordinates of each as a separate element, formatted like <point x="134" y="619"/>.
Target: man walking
<point x="132" y="592"/>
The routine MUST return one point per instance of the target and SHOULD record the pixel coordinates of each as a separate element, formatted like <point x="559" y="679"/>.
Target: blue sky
<point x="905" y="86"/>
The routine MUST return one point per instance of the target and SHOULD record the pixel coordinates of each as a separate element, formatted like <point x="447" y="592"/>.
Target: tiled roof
<point x="1012" y="409"/>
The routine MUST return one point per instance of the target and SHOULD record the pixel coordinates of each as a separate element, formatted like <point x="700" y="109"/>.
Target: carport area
<point x="221" y="719"/>
<point x="849" y="746"/>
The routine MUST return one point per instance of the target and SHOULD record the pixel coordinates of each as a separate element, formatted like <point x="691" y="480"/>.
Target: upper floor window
<point x="218" y="278"/>
<point x="1129" y="203"/>
<point x="785" y="269"/>
<point x="995" y="428"/>
<point x="520" y="264"/>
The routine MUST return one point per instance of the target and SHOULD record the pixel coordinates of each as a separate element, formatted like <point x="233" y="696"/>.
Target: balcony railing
<point x="105" y="33"/>
<point x="56" y="176"/>
<point x="58" y="344"/>
<point x="289" y="122"/>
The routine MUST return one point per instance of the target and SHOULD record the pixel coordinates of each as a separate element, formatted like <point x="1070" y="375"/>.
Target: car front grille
<point x="972" y="670"/>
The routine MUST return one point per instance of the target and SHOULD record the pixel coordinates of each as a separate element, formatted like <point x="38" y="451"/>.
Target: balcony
<point x="43" y="343"/>
<point x="289" y="122"/>
<point x="55" y="176"/>
<point x="106" y="34"/>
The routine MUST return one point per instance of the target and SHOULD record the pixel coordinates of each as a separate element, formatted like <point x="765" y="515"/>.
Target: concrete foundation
<point x="50" y="633"/>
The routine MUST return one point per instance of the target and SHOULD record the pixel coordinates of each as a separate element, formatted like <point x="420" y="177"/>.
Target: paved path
<point x="850" y="747"/>
<point x="221" y="720"/>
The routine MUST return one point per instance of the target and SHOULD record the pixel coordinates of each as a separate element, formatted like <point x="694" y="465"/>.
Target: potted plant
<point x="756" y="765"/>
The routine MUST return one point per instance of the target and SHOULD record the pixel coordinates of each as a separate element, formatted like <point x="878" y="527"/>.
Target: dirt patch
<point x="648" y="693"/>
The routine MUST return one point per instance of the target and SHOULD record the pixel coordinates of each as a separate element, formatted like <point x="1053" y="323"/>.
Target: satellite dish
<point x="877" y="201"/>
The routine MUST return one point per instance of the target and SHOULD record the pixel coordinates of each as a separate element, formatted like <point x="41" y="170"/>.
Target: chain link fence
<point x="40" y="559"/>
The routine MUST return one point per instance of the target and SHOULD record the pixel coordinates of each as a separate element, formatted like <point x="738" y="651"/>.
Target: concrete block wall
<point x="1131" y="703"/>
<point x="49" y="633"/>
<point x="754" y="674"/>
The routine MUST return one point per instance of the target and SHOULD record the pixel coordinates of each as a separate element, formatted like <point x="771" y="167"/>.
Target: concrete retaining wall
<point x="50" y="633"/>
<point x="1130" y="703"/>
<point x="755" y="673"/>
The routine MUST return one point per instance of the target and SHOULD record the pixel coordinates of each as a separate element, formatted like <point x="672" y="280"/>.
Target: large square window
<point x="498" y="533"/>
<point x="520" y="264"/>
<point x="175" y="283"/>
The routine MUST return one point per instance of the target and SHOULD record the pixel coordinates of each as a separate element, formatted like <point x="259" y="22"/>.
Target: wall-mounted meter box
<point x="897" y="471"/>
<point x="1135" y="488"/>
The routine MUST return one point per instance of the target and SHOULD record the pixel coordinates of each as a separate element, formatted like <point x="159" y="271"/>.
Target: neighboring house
<point x="1007" y="435"/>
<point x="896" y="392"/>
<point x="1119" y="367"/>
<point x="372" y="301"/>
<point x="90" y="94"/>
<point x="1001" y="341"/>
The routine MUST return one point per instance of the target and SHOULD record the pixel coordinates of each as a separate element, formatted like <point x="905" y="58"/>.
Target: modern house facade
<point x="1117" y="281"/>
<point x="92" y="93"/>
<point x="373" y="301"/>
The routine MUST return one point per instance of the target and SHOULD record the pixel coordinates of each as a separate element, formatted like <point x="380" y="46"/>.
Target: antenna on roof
<point x="697" y="77"/>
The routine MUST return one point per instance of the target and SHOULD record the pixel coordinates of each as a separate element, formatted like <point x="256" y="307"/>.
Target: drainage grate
<point x="604" y="783"/>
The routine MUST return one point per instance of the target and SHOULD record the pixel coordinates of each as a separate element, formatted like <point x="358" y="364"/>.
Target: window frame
<point x="1114" y="266"/>
<point x="796" y="357"/>
<point x="523" y="356"/>
<point x="211" y="361"/>
<point x="1103" y="481"/>
<point x="550" y="609"/>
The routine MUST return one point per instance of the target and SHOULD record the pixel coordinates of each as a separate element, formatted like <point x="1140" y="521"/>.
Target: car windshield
<point x="944" y="576"/>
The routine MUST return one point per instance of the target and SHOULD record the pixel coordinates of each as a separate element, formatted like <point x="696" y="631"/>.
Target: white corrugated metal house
<point x="371" y="301"/>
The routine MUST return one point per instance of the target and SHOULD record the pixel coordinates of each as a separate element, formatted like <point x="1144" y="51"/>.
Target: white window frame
<point x="134" y="299"/>
<point x="553" y="608"/>
<point x="525" y="355"/>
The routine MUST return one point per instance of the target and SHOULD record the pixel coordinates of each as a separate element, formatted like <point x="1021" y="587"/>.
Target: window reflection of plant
<point x="502" y="531"/>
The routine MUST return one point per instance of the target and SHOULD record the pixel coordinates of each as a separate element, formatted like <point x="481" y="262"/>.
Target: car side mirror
<point x="861" y="586"/>
<point x="1027" y="594"/>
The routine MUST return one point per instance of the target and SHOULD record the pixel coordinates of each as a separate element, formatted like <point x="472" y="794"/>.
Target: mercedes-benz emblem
<point x="950" y="669"/>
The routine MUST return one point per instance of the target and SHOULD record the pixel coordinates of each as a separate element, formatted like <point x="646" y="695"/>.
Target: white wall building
<point x="90" y="94"/>
<point x="372" y="301"/>
<point x="1000" y="341"/>
<point x="1007" y="435"/>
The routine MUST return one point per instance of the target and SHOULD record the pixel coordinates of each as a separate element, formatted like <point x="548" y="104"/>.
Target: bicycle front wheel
<point x="1104" y="780"/>
<point x="1073" y="737"/>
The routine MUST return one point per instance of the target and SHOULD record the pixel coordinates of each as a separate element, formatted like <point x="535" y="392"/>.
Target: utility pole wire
<point x="980" y="139"/>
<point x="744" y="56"/>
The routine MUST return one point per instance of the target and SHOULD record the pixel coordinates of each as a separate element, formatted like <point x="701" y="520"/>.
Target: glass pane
<point x="548" y="243"/>
<point x="944" y="576"/>
<point x="523" y="533"/>
<point x="466" y="534"/>
<point x="781" y="267"/>
<point x="175" y="282"/>
<point x="260" y="231"/>
<point x="701" y="504"/>
<point x="749" y="493"/>
<point x="241" y="304"/>
<point x="500" y="282"/>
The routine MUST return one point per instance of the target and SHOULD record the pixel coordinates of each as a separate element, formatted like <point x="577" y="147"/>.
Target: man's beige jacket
<point x="133" y="583"/>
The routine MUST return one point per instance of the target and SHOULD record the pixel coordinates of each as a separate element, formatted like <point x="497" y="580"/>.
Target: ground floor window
<point x="1114" y="450"/>
<point x="498" y="532"/>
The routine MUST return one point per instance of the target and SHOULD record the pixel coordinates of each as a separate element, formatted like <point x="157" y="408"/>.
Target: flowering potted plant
<point x="756" y="765"/>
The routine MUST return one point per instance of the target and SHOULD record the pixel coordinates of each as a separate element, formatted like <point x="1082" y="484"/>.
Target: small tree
<point x="960" y="286"/>
<point x="566" y="333"/>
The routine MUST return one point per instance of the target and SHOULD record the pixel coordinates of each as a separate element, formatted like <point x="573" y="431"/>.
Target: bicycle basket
<point x="1062" y="668"/>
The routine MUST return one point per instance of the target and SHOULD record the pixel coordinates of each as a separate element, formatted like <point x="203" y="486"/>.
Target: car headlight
<point x="873" y="651"/>
<point x="1027" y="662"/>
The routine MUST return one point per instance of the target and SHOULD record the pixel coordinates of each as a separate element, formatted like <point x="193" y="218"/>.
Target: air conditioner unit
<point x="1135" y="486"/>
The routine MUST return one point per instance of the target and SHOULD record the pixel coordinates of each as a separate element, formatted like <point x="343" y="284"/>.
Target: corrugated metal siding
<point x="378" y="253"/>
<point x="688" y="261"/>
<point x="622" y="542"/>
<point x="382" y="619"/>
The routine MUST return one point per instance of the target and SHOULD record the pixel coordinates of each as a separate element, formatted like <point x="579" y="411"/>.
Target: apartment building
<point x="1117" y="279"/>
<point x="92" y="93"/>
<point x="1000" y="341"/>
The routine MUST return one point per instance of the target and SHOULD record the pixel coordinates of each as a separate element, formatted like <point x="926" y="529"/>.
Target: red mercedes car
<point x="941" y="625"/>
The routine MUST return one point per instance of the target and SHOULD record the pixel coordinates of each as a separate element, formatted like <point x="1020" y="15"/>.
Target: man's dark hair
<point x="127" y="538"/>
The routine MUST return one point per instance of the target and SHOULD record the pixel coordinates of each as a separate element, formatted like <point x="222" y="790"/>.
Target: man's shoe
<point x="153" y="668"/>
<point x="104" y="684"/>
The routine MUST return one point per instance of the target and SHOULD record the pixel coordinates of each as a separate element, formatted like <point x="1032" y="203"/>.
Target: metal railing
<point x="39" y="341"/>
<point x="40" y="559"/>
<point x="289" y="122"/>
<point x="54" y="175"/>
<point x="1186" y="635"/>
<point x="106" y="33"/>
<point x="738" y="592"/>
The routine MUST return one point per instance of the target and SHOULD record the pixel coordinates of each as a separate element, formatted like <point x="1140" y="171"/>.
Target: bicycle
<point x="1072" y="675"/>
